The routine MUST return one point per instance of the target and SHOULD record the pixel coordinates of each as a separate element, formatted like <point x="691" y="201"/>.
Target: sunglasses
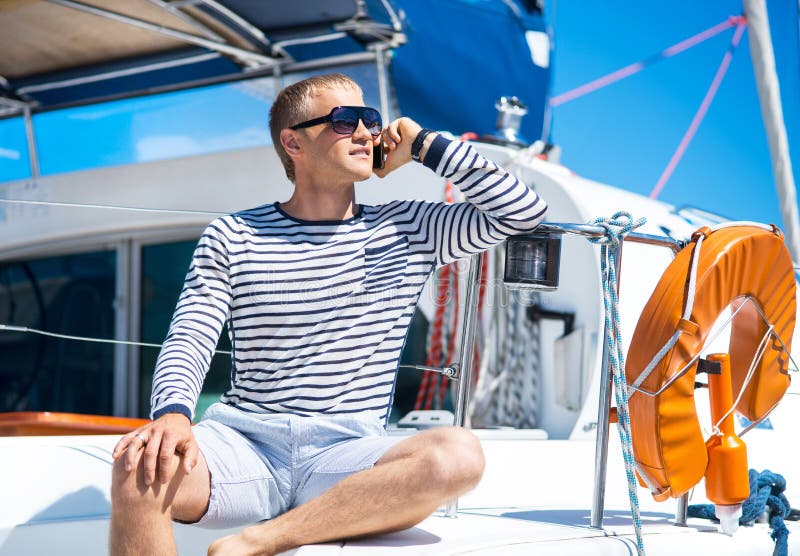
<point x="344" y="120"/>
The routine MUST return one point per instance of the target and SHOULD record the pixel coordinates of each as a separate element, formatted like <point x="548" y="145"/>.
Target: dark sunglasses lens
<point x="344" y="120"/>
<point x="372" y="120"/>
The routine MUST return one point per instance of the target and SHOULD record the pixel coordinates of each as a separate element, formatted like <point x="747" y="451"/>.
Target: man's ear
<point x="289" y="142"/>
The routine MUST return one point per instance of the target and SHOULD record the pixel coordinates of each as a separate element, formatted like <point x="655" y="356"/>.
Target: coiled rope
<point x="616" y="228"/>
<point x="766" y="493"/>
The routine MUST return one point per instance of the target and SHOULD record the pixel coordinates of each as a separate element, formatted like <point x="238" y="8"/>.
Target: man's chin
<point x="362" y="173"/>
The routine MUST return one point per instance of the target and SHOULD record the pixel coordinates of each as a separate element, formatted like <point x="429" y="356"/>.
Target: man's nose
<point x="362" y="132"/>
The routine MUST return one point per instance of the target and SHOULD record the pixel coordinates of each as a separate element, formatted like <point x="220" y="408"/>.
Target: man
<point x="318" y="293"/>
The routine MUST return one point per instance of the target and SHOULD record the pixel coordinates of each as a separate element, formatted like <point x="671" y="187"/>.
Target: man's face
<point x="328" y="155"/>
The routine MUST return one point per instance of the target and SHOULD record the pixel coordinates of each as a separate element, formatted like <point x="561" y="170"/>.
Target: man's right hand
<point x="162" y="439"/>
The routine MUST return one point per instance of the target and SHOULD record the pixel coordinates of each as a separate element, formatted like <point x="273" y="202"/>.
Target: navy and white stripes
<point x="318" y="311"/>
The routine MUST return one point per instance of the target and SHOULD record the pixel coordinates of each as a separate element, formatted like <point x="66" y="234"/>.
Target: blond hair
<point x="293" y="104"/>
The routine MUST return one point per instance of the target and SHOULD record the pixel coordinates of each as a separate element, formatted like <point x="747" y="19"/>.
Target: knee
<point x="126" y="490"/>
<point x="130" y="493"/>
<point x="454" y="460"/>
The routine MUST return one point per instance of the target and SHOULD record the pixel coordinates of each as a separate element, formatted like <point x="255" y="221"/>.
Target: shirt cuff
<point x="435" y="152"/>
<point x="172" y="408"/>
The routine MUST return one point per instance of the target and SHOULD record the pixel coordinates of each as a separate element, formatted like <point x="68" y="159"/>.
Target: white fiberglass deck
<point x="535" y="497"/>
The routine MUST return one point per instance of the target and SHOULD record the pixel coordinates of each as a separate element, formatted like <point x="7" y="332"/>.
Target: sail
<point x="463" y="55"/>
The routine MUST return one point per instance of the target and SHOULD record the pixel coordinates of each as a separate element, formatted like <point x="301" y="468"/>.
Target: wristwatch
<point x="416" y="146"/>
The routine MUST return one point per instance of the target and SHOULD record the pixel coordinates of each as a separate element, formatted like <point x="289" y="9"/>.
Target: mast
<point x="763" y="59"/>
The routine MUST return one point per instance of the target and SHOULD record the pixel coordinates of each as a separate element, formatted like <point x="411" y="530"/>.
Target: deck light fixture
<point x="532" y="261"/>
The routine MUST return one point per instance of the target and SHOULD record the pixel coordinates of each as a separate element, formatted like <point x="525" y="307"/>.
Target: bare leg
<point x="141" y="516"/>
<point x="406" y="485"/>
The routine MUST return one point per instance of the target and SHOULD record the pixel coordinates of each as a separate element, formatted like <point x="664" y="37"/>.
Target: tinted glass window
<point x="74" y="295"/>
<point x="164" y="268"/>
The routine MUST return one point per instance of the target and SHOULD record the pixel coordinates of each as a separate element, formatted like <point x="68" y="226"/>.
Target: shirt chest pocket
<point x="385" y="266"/>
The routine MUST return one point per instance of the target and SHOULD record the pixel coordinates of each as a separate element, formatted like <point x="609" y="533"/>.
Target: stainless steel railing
<point x="463" y="371"/>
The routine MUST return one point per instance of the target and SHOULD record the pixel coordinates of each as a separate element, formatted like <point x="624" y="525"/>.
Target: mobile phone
<point x="377" y="156"/>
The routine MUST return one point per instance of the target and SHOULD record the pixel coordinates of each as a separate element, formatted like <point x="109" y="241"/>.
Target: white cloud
<point x="8" y="153"/>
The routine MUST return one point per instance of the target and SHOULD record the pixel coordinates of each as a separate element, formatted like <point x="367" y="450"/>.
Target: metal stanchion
<point x="682" y="510"/>
<point x="466" y="352"/>
<point x="603" y="409"/>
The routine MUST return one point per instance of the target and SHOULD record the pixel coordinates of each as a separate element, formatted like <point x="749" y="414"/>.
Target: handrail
<point x="465" y="358"/>
<point x="464" y="366"/>
<point x="590" y="230"/>
<point x="604" y="404"/>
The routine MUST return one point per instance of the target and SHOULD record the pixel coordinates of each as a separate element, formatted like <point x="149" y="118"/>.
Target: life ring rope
<point x="685" y="323"/>
<point x="762" y="348"/>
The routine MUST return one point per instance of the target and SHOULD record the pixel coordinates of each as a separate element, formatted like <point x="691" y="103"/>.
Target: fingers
<point x="165" y="456"/>
<point x="190" y="452"/>
<point x="151" y="456"/>
<point x="123" y="444"/>
<point x="397" y="138"/>
<point x="391" y="135"/>
<point x="133" y="445"/>
<point x="160" y="441"/>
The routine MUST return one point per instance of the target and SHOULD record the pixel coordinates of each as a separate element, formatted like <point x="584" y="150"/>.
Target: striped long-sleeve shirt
<point x="318" y="311"/>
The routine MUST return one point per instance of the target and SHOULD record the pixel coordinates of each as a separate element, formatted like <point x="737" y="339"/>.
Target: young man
<point x="318" y="293"/>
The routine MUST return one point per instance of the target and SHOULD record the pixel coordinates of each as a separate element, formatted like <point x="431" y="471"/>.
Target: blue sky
<point x="625" y="134"/>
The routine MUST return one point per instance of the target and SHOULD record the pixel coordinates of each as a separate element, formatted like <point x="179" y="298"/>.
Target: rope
<point x="27" y="329"/>
<point x="766" y="494"/>
<point x="434" y="338"/>
<point x="634" y="68"/>
<point x="108" y="207"/>
<point x="701" y="112"/>
<point x="616" y="227"/>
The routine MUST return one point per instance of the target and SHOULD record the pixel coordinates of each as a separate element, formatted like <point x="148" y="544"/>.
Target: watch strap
<point x="416" y="146"/>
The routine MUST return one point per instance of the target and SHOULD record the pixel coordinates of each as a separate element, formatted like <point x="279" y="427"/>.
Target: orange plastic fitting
<point x="727" y="481"/>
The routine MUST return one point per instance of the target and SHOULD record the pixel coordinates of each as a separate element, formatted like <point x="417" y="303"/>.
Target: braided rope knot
<point x="766" y="495"/>
<point x="616" y="227"/>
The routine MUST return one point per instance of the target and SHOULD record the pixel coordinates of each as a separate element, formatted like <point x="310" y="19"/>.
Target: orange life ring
<point x="730" y="263"/>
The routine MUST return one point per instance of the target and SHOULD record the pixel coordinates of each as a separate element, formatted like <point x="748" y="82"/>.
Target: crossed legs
<point x="406" y="485"/>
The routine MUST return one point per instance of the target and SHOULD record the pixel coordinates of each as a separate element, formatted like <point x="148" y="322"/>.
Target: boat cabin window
<point x="164" y="268"/>
<point x="69" y="294"/>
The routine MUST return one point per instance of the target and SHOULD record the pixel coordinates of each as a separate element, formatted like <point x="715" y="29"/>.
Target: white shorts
<point x="262" y="465"/>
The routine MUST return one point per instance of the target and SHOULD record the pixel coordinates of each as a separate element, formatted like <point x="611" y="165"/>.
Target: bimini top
<point x="59" y="52"/>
